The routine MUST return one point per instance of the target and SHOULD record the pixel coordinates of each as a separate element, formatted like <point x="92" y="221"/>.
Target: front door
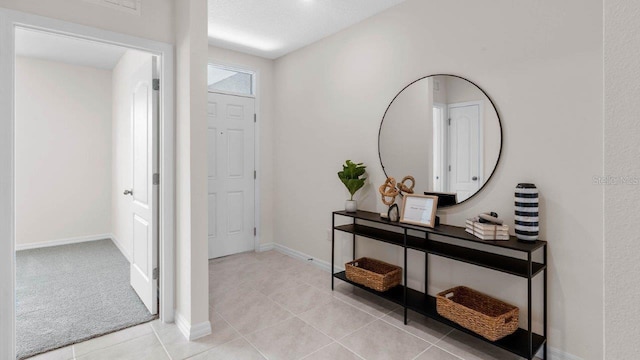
<point x="465" y="149"/>
<point x="231" y="174"/>
<point x="144" y="194"/>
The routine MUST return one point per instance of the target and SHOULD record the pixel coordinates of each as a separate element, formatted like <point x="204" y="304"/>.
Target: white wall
<point x="192" y="272"/>
<point x="63" y="151"/>
<point x="121" y="151"/>
<point x="264" y="69"/>
<point x="332" y="94"/>
<point x="622" y="201"/>
<point x="155" y="21"/>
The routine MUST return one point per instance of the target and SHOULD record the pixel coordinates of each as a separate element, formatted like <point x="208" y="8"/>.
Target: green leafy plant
<point x="351" y="176"/>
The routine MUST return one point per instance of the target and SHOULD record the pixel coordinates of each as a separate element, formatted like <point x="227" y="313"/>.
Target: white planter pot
<point x="351" y="206"/>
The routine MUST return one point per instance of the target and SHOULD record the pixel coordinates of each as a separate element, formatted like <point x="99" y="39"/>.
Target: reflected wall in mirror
<point x="444" y="131"/>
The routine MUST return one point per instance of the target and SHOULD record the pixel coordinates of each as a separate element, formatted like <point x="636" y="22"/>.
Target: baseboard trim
<point x="192" y="332"/>
<point x="119" y="246"/>
<point x="266" y="247"/>
<point x="68" y="241"/>
<point x="321" y="264"/>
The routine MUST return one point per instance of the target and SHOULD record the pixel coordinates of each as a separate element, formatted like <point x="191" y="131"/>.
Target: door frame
<point x="256" y="137"/>
<point x="9" y="20"/>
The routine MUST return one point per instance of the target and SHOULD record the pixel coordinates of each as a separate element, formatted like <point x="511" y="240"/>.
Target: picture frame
<point x="419" y="210"/>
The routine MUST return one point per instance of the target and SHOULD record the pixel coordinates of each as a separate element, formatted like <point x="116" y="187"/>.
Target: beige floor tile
<point x="238" y="349"/>
<point x="111" y="339"/>
<point x="471" y="348"/>
<point x="273" y="283"/>
<point x="146" y="347"/>
<point x="180" y="348"/>
<point x="419" y="325"/>
<point x="317" y="277"/>
<point x="288" y="340"/>
<point x="270" y="255"/>
<point x="301" y="298"/>
<point x="65" y="353"/>
<point x="382" y="341"/>
<point x="285" y="264"/>
<point x="435" y="353"/>
<point x="363" y="300"/>
<point x="334" y="351"/>
<point x="255" y="315"/>
<point x="337" y="319"/>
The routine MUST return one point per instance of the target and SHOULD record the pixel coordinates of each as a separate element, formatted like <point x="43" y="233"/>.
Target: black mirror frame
<point x="499" y="124"/>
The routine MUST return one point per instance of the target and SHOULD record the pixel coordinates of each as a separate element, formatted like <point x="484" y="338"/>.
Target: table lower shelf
<point x="517" y="343"/>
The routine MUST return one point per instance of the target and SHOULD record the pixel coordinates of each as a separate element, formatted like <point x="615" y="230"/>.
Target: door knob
<point x="128" y="192"/>
<point x="475" y="178"/>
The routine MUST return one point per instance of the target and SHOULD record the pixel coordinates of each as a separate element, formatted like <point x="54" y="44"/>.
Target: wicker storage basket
<point x="374" y="274"/>
<point x="480" y="313"/>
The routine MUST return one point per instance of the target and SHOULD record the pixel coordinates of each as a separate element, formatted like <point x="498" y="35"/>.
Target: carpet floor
<point x="71" y="293"/>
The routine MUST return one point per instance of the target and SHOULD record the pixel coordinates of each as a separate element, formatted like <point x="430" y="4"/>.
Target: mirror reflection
<point x="445" y="132"/>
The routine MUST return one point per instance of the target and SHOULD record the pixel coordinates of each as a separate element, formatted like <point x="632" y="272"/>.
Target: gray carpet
<point x="71" y="293"/>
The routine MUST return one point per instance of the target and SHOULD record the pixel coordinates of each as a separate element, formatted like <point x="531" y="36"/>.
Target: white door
<point x="144" y="194"/>
<point x="465" y="151"/>
<point x="231" y="174"/>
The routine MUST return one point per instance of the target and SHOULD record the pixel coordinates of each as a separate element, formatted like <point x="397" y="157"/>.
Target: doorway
<point x="10" y="22"/>
<point x="465" y="149"/>
<point x="86" y="116"/>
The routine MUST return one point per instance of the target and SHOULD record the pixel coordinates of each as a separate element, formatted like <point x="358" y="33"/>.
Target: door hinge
<point x="449" y="121"/>
<point x="449" y="167"/>
<point x="156" y="84"/>
<point x="255" y="174"/>
<point x="156" y="179"/>
<point x="155" y="274"/>
<point x="255" y="118"/>
<point x="255" y="231"/>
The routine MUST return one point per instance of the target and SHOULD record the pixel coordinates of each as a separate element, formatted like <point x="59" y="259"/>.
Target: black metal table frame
<point x="531" y="348"/>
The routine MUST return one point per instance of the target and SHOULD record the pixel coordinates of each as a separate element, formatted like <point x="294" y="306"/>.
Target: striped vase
<point x="527" y="219"/>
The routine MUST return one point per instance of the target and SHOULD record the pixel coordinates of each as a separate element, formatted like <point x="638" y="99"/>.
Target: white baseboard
<point x="554" y="354"/>
<point x="68" y="241"/>
<point x="266" y="247"/>
<point x="119" y="246"/>
<point x="192" y="332"/>
<point x="323" y="265"/>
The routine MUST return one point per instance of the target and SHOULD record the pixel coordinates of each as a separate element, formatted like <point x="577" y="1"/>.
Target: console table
<point x="524" y="342"/>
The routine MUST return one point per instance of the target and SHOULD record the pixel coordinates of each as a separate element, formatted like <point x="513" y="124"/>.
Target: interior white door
<point x="464" y="149"/>
<point x="231" y="174"/>
<point x="144" y="194"/>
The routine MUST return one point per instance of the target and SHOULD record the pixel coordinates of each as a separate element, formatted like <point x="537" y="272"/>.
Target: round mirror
<point x="445" y="132"/>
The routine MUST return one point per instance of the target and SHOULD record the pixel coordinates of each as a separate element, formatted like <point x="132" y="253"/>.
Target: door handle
<point x="128" y="192"/>
<point x="475" y="178"/>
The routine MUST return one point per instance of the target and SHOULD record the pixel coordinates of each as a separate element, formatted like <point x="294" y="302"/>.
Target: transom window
<point x="229" y="80"/>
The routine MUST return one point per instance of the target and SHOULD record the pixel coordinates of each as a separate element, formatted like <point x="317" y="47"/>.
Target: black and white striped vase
<point x="527" y="218"/>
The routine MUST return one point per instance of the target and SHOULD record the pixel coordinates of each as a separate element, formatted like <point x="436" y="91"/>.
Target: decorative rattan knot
<point x="404" y="188"/>
<point x="388" y="190"/>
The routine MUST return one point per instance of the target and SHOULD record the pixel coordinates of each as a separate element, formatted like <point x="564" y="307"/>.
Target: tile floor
<point x="270" y="306"/>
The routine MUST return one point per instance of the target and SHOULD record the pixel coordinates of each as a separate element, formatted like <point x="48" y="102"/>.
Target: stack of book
<point x="487" y="231"/>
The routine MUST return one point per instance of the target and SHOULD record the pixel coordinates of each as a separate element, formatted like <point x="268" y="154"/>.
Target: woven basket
<point x="480" y="313"/>
<point x="374" y="274"/>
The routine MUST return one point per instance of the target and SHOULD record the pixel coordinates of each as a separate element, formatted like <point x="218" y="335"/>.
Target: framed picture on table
<point x="419" y="210"/>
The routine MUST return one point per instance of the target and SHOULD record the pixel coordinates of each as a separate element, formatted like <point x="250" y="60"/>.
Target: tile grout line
<point x="245" y="338"/>
<point x="422" y="352"/>
<point x="161" y="343"/>
<point x="449" y="352"/>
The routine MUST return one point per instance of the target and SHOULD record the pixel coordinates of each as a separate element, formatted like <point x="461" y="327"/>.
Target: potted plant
<point x="352" y="177"/>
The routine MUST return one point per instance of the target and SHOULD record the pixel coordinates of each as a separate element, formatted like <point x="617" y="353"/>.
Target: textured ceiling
<point x="41" y="45"/>
<point x="272" y="28"/>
